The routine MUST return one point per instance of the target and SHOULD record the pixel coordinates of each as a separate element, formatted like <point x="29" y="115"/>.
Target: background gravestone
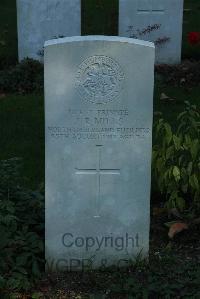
<point x="99" y="109"/>
<point x="139" y="14"/>
<point x="41" y="20"/>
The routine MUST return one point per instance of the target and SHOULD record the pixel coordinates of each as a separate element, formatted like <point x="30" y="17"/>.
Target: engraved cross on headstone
<point x="98" y="171"/>
<point x="150" y="10"/>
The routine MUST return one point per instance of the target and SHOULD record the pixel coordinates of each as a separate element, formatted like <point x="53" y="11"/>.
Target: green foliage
<point x="166" y="276"/>
<point x="25" y="77"/>
<point x="21" y="230"/>
<point x="173" y="276"/>
<point x="186" y="74"/>
<point x="176" y="159"/>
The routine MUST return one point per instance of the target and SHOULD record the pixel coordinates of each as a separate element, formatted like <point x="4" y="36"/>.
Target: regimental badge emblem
<point x="99" y="79"/>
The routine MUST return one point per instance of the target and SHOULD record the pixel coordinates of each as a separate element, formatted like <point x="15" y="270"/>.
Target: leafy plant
<point x="176" y="160"/>
<point x="173" y="276"/>
<point x="167" y="275"/>
<point x="25" y="77"/>
<point x="21" y="230"/>
<point x="186" y="74"/>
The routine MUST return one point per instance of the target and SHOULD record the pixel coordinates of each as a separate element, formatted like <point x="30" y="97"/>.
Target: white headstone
<point x="99" y="108"/>
<point x="41" y="20"/>
<point x="168" y="14"/>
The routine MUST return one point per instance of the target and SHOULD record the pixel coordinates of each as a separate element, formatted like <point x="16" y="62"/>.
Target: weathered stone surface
<point x="99" y="110"/>
<point x="139" y="14"/>
<point x="41" y="20"/>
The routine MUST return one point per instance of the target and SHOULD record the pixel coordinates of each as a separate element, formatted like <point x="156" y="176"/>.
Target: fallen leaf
<point x="176" y="228"/>
<point x="169" y="224"/>
<point x="164" y="97"/>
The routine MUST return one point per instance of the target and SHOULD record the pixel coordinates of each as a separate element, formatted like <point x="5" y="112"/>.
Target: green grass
<point x="22" y="133"/>
<point x="98" y="17"/>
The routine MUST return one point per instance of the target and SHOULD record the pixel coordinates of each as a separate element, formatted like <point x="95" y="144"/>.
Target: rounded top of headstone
<point x="98" y="38"/>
